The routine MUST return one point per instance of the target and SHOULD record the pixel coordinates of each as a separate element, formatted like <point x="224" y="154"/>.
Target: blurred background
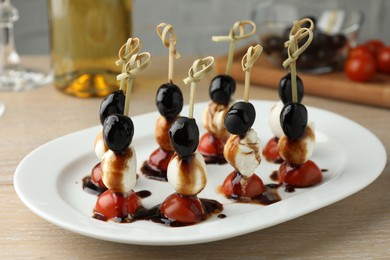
<point x="194" y="21"/>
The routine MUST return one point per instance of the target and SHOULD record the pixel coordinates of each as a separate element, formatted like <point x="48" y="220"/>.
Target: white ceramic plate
<point x="49" y="181"/>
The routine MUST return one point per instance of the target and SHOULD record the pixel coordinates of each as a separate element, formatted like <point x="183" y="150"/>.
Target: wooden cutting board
<point x="333" y="85"/>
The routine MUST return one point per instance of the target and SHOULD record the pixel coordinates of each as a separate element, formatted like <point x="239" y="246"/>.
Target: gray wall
<point x="194" y="20"/>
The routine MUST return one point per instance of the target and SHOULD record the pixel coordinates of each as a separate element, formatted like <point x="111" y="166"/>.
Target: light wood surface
<point x="333" y="85"/>
<point x="357" y="227"/>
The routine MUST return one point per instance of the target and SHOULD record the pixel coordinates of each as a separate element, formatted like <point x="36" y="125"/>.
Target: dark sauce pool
<point x="214" y="159"/>
<point x="90" y="187"/>
<point x="153" y="214"/>
<point x="153" y="174"/>
<point x="274" y="176"/>
<point x="287" y="187"/>
<point x="210" y="207"/>
<point x="268" y="197"/>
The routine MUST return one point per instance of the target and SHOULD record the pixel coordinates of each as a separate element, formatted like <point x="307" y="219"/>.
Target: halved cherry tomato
<point x="254" y="187"/>
<point x="271" y="151"/>
<point x="383" y="59"/>
<point x="111" y="205"/>
<point x="305" y="175"/>
<point x="117" y="205"/>
<point x="184" y="209"/>
<point x="96" y="176"/>
<point x="360" y="68"/>
<point x="133" y="202"/>
<point x="210" y="145"/>
<point x="233" y="188"/>
<point x="160" y="158"/>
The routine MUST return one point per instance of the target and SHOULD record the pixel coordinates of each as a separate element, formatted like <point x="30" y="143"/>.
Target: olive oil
<point x="85" y="36"/>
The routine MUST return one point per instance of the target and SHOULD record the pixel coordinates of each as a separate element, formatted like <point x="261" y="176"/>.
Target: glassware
<point x="13" y="76"/>
<point x="85" y="37"/>
<point x="2" y="108"/>
<point x="336" y="30"/>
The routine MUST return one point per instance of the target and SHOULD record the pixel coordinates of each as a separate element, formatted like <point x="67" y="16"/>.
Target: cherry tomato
<point x="374" y="46"/>
<point x="111" y="205"/>
<point x="183" y="209"/>
<point x="254" y="187"/>
<point x="360" y="68"/>
<point x="383" y="59"/>
<point x="133" y="202"/>
<point x="96" y="176"/>
<point x="117" y="205"/>
<point x="159" y="159"/>
<point x="305" y="175"/>
<point x="271" y="151"/>
<point x="210" y="145"/>
<point x="358" y="51"/>
<point x="232" y="186"/>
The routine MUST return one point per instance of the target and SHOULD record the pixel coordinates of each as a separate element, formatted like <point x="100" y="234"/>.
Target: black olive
<point x="169" y="101"/>
<point x="285" y="89"/>
<point x="118" y="131"/>
<point x="184" y="136"/>
<point x="222" y="88"/>
<point x="240" y="118"/>
<point x="293" y="120"/>
<point x="113" y="103"/>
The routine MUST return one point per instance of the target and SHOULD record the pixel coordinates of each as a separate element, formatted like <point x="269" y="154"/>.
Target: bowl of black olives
<point x="335" y="32"/>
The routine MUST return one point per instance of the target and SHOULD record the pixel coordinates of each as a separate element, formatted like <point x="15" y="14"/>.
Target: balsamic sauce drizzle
<point x="214" y="159"/>
<point x="90" y="187"/>
<point x="210" y="207"/>
<point x="153" y="214"/>
<point x="153" y="174"/>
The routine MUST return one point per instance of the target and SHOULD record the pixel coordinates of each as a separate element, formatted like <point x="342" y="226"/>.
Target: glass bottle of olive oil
<point x="85" y="37"/>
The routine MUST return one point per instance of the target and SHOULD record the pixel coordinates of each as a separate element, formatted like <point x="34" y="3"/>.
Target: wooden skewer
<point x="163" y="30"/>
<point x="198" y="70"/>
<point x="237" y="32"/>
<point x="136" y="63"/>
<point x="297" y="33"/>
<point x="247" y="63"/>
<point x="132" y="46"/>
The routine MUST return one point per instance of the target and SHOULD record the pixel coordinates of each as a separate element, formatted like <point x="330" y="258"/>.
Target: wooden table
<point x="356" y="227"/>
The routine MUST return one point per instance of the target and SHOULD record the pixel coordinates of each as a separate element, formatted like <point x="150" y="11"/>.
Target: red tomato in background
<point x="360" y="68"/>
<point x="383" y="59"/>
<point x="358" y="51"/>
<point x="374" y="46"/>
